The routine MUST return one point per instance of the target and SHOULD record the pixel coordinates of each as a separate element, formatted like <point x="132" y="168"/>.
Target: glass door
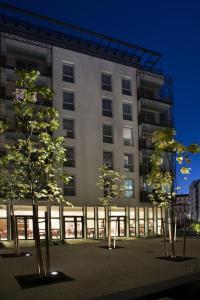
<point x="73" y="227"/>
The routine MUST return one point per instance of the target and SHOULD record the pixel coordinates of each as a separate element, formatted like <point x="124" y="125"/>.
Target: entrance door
<point x="118" y="226"/>
<point x="73" y="227"/>
<point x="25" y="227"/>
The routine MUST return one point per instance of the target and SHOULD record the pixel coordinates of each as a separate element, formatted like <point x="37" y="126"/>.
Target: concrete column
<point x="9" y="234"/>
<point x="62" y="225"/>
<point x="84" y="208"/>
<point x="137" y="221"/>
<point x="127" y="215"/>
<point x="146" y="217"/>
<point x="96" y="222"/>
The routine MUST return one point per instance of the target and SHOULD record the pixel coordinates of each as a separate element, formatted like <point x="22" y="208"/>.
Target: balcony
<point x="156" y="119"/>
<point x="145" y="144"/>
<point x="145" y="169"/>
<point x="144" y="196"/>
<point x="7" y="61"/>
<point x="154" y="95"/>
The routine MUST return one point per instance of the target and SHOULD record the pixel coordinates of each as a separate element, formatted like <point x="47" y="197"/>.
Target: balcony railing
<point x="145" y="144"/>
<point x="154" y="119"/>
<point x="6" y="61"/>
<point x="154" y="96"/>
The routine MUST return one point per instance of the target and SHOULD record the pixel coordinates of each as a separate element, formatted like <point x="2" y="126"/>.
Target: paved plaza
<point x="130" y="271"/>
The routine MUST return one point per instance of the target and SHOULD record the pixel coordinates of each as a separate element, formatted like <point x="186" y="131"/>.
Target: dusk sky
<point x="169" y="27"/>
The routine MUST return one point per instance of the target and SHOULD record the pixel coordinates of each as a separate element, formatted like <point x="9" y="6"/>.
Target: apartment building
<point x="110" y="99"/>
<point x="194" y="194"/>
<point x="182" y="208"/>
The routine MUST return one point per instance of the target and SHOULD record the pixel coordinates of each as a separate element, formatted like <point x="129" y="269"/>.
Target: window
<point x="127" y="111"/>
<point x="126" y="87"/>
<point x="25" y="65"/>
<point x="106" y="82"/>
<point x="128" y="188"/>
<point x="68" y="100"/>
<point x="68" y="126"/>
<point x="68" y="73"/>
<point x="128" y="136"/>
<point x="107" y="107"/>
<point x="69" y="189"/>
<point x="108" y="159"/>
<point x="70" y="156"/>
<point x="107" y="134"/>
<point x="128" y="162"/>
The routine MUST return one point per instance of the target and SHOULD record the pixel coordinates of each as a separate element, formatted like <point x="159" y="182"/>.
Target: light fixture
<point x="27" y="254"/>
<point x="54" y="273"/>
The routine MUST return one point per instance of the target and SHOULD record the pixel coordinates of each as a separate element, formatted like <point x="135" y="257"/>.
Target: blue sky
<point x="169" y="27"/>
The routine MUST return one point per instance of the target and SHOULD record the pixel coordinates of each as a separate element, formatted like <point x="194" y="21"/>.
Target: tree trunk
<point x="184" y="236"/>
<point x="15" y="231"/>
<point x="39" y="256"/>
<point x="109" y="229"/>
<point x="172" y="228"/>
<point x="164" y="237"/>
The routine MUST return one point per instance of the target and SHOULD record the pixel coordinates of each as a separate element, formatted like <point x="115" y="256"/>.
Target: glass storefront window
<point x="75" y="211"/>
<point x="90" y="212"/>
<point x="55" y="211"/>
<point x="141" y="228"/>
<point x="55" y="228"/>
<point x="41" y="211"/>
<point x="101" y="228"/>
<point x="42" y="228"/>
<point x="21" y="210"/>
<point x="132" y="230"/>
<point x="150" y="227"/>
<point x="3" y="229"/>
<point x="90" y="228"/>
<point x="159" y="213"/>
<point x="29" y="230"/>
<point x="141" y="213"/>
<point x="132" y="212"/>
<point x="150" y="213"/>
<point x="159" y="226"/>
<point x="3" y="211"/>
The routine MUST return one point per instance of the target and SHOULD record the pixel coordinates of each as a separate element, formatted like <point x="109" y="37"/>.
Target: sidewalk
<point x="124" y="273"/>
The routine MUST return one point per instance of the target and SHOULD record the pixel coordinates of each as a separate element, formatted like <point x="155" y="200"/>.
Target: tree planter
<point x="35" y="280"/>
<point x="14" y="255"/>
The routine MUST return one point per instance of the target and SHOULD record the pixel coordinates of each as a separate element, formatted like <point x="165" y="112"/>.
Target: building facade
<point x="110" y="99"/>
<point x="194" y="192"/>
<point x="182" y="208"/>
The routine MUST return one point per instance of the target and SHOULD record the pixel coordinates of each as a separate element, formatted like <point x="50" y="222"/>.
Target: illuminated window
<point x="128" y="188"/>
<point x="128" y="136"/>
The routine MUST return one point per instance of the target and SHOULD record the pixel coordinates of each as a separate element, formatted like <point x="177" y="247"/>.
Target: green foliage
<point x="162" y="176"/>
<point x="32" y="168"/>
<point x="195" y="227"/>
<point x="111" y="182"/>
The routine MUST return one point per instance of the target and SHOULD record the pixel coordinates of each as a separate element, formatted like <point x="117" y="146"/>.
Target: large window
<point x="128" y="188"/>
<point x="108" y="159"/>
<point x="107" y="107"/>
<point x="128" y="136"/>
<point x="68" y="126"/>
<point x="68" y="100"/>
<point x="55" y="222"/>
<point x="68" y="73"/>
<point x="126" y="86"/>
<point x="70" y="188"/>
<point x="3" y="229"/>
<point x="127" y="111"/>
<point x="107" y="133"/>
<point x="70" y="156"/>
<point x="106" y="82"/>
<point x="128" y="162"/>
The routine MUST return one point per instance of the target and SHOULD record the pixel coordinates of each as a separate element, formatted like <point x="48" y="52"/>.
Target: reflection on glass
<point x="3" y="229"/>
<point x="90" y="228"/>
<point x="141" y="227"/>
<point x="29" y="230"/>
<point x="21" y="228"/>
<point x="101" y="226"/>
<point x="132" y="230"/>
<point x="55" y="229"/>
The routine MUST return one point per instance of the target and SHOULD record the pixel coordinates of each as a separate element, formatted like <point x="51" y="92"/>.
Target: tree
<point x="111" y="182"/>
<point x="38" y="156"/>
<point x="162" y="178"/>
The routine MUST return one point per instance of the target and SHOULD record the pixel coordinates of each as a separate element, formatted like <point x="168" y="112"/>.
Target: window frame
<point x="129" y="167"/>
<point x="68" y="64"/>
<point x="126" y="91"/>
<point x="108" y="136"/>
<point x="72" y="188"/>
<point x="107" y="112"/>
<point x="69" y="131"/>
<point x="106" y="86"/>
<point x="127" y="116"/>
<point x="73" y="165"/>
<point x="68" y="103"/>
<point x="126" y="139"/>
<point x="112" y="162"/>
<point x="128" y="190"/>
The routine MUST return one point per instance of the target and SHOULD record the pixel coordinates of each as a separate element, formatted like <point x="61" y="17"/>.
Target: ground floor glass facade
<point x="82" y="222"/>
